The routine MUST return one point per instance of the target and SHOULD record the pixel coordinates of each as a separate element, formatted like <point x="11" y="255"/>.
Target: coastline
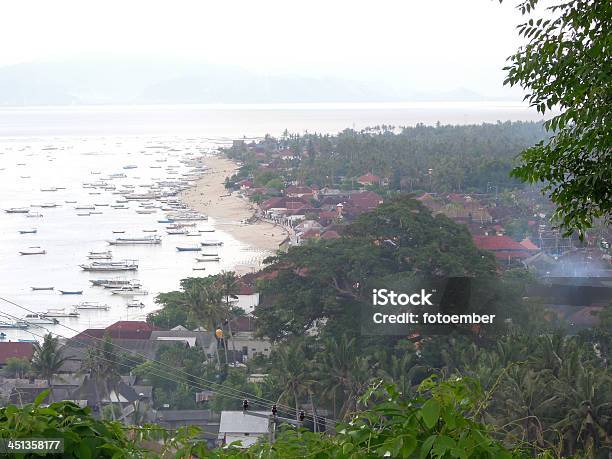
<point x="209" y="196"/>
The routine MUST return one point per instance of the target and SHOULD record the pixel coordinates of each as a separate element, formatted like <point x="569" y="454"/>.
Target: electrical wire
<point x="226" y="391"/>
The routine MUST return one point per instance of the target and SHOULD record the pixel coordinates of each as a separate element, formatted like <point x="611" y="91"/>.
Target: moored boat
<point x="32" y="231"/>
<point x="60" y="313"/>
<point x="88" y="305"/>
<point x="71" y="292"/>
<point x="107" y="255"/>
<point x="148" y="240"/>
<point x="17" y="210"/>
<point x="129" y="291"/>
<point x="39" y="319"/>
<point x="194" y="248"/>
<point x="135" y="304"/>
<point x="36" y="289"/>
<point x="33" y="252"/>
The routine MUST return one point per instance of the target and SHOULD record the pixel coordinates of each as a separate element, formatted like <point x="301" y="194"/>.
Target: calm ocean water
<point x="60" y="147"/>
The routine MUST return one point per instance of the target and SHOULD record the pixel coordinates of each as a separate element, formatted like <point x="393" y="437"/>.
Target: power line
<point x="164" y="376"/>
<point x="226" y="391"/>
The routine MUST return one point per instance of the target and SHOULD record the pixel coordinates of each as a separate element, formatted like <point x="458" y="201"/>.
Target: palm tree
<point x="342" y="370"/>
<point x="205" y="304"/>
<point x="101" y="367"/>
<point x="587" y="406"/>
<point x="230" y="287"/>
<point x="47" y="359"/>
<point x="290" y="372"/>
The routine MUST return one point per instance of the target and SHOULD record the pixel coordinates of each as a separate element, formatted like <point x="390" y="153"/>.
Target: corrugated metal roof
<point x="239" y="422"/>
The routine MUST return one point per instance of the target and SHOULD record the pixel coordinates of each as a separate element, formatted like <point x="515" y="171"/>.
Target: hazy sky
<point x="422" y="44"/>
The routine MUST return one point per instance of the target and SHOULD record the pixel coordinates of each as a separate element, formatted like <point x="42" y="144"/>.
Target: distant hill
<point x="141" y="81"/>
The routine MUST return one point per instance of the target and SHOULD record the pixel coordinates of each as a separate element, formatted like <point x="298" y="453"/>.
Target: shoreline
<point x="209" y="196"/>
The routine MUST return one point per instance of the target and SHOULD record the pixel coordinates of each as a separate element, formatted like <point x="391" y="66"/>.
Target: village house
<point x="19" y="350"/>
<point x="505" y="249"/>
<point x="369" y="179"/>
<point x="245" y="427"/>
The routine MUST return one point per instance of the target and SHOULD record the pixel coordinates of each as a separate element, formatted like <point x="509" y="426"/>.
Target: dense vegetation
<point x="544" y="390"/>
<point x="565" y="65"/>
<point x="439" y="158"/>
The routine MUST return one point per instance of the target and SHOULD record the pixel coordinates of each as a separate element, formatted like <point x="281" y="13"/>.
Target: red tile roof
<point x="331" y="234"/>
<point x="18" y="350"/>
<point x="368" y="179"/>
<point x="497" y="243"/>
<point x="132" y="325"/>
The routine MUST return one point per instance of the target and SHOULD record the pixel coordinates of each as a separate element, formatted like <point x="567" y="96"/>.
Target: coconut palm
<point x="101" y="367"/>
<point x="344" y="372"/>
<point x="291" y="373"/>
<point x="47" y="359"/>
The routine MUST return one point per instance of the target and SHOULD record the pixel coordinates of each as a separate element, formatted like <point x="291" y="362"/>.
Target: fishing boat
<point x="149" y="231"/>
<point x="48" y="189"/>
<point x="193" y="233"/>
<point x="168" y="220"/>
<point x="196" y="268"/>
<point x="118" y="232"/>
<point x="194" y="248"/>
<point x="60" y="313"/>
<point x="19" y="324"/>
<point x="130" y="166"/>
<point x="129" y="291"/>
<point x="37" y="289"/>
<point x="48" y="205"/>
<point x="207" y="230"/>
<point x="100" y="255"/>
<point x="124" y="265"/>
<point x="83" y="214"/>
<point x="32" y="231"/>
<point x="88" y="305"/>
<point x="176" y="231"/>
<point x="115" y="283"/>
<point x="32" y="252"/>
<point x="34" y="215"/>
<point x="211" y="243"/>
<point x="71" y="292"/>
<point x="85" y="208"/>
<point x="70" y="202"/>
<point x="203" y="259"/>
<point x="135" y="304"/>
<point x="17" y="210"/>
<point x="40" y="319"/>
<point x="148" y="240"/>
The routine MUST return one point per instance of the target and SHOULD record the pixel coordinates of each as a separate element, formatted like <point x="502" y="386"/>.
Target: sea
<point x="50" y="156"/>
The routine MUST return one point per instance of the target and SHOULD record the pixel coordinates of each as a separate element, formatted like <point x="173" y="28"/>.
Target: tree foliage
<point x="566" y="64"/>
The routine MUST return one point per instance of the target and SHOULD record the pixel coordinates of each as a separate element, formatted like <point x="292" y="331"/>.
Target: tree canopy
<point x="566" y="64"/>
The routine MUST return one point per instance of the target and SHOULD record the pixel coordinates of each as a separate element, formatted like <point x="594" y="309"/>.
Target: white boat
<point x="88" y="305"/>
<point x="32" y="231"/>
<point x="60" y="313"/>
<point x="124" y="265"/>
<point x="115" y="283"/>
<point x="34" y="215"/>
<point x="147" y="240"/>
<point x="129" y="291"/>
<point x="135" y="304"/>
<point x="40" y="319"/>
<point x="176" y="231"/>
<point x="211" y="243"/>
<point x="100" y="255"/>
<point x="193" y="233"/>
<point x="48" y="205"/>
<point x="209" y="258"/>
<point x="17" y="210"/>
<point x="17" y="324"/>
<point x="33" y="252"/>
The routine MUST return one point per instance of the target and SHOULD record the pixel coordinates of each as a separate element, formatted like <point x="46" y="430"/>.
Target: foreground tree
<point x="566" y="64"/>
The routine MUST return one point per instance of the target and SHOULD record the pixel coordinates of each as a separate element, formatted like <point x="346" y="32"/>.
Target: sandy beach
<point x="210" y="197"/>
